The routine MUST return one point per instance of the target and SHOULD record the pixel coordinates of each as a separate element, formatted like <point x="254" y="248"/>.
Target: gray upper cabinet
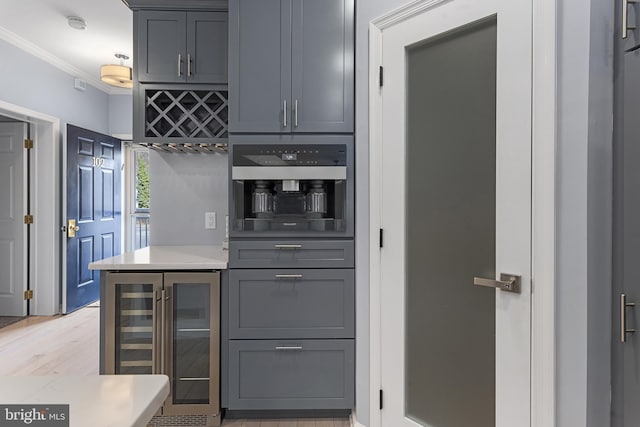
<point x="296" y="76"/>
<point x="179" y="46"/>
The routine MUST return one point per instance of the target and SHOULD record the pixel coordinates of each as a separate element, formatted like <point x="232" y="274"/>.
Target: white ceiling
<point x="40" y="27"/>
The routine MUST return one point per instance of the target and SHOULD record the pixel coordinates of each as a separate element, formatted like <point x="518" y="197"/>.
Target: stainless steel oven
<point x="291" y="186"/>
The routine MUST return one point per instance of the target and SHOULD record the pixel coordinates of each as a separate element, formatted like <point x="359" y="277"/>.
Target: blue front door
<point x="93" y="201"/>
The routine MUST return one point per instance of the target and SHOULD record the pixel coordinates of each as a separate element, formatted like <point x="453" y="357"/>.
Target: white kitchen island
<point x="160" y="313"/>
<point x="96" y="401"/>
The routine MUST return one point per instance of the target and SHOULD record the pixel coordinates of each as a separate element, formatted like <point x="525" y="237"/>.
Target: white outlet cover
<point x="210" y="220"/>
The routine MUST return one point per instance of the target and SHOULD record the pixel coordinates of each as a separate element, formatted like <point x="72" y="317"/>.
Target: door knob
<point x="507" y="282"/>
<point x="72" y="228"/>
<point x="623" y="317"/>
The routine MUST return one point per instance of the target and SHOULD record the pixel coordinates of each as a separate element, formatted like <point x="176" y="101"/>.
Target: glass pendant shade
<point x="116" y="75"/>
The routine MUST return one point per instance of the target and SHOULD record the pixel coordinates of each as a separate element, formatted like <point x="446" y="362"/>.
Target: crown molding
<point x="38" y="52"/>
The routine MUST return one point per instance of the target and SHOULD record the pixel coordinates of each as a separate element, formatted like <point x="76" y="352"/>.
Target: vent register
<point x="192" y="118"/>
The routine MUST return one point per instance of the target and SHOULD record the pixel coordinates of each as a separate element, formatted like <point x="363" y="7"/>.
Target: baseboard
<point x="353" y="421"/>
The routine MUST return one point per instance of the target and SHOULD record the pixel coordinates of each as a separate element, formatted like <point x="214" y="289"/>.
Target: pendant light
<point x="117" y="75"/>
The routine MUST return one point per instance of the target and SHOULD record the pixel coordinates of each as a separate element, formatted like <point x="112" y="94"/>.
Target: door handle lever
<point x="507" y="282"/>
<point x="623" y="318"/>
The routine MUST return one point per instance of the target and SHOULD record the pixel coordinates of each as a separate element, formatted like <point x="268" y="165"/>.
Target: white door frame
<point x="543" y="205"/>
<point x="45" y="202"/>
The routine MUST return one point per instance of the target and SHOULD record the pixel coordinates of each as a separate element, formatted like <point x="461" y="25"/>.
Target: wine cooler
<point x="167" y="323"/>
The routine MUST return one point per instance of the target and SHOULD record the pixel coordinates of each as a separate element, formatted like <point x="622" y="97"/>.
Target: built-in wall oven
<point x="291" y="186"/>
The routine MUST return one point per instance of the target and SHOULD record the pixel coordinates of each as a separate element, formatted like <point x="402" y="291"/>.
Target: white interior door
<point x="13" y="235"/>
<point x="455" y="204"/>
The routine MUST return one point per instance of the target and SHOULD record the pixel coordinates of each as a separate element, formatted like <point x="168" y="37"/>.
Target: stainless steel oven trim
<point x="288" y="172"/>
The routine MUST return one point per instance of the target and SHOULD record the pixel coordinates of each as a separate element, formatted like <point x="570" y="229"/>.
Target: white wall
<point x="32" y="83"/>
<point x="121" y="115"/>
<point x="183" y="188"/>
<point x="584" y="189"/>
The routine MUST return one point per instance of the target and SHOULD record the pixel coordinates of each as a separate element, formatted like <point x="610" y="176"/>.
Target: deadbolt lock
<point x="72" y="228"/>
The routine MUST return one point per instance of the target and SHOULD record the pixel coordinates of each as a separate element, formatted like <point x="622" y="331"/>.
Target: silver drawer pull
<point x="297" y="347"/>
<point x="288" y="276"/>
<point x="287" y="246"/>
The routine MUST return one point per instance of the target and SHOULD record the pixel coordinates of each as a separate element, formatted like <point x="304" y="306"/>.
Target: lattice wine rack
<point x="185" y="114"/>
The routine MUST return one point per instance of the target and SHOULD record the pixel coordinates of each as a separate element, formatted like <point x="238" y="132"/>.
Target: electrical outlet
<point x="210" y="220"/>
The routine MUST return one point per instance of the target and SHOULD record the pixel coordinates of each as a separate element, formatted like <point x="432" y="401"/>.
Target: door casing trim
<point x="543" y="262"/>
<point x="45" y="191"/>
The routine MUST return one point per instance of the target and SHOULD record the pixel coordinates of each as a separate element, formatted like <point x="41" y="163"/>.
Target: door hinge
<point x="381" y="237"/>
<point x="28" y="219"/>
<point x="28" y="294"/>
<point x="381" y="399"/>
<point x="381" y="79"/>
<point x="28" y="144"/>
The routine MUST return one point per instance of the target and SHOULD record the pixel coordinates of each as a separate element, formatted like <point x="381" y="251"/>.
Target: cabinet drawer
<point x="291" y="254"/>
<point x="291" y="374"/>
<point x="291" y="304"/>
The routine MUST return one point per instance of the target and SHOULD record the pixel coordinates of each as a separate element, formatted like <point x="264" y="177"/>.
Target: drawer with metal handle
<point x="291" y="254"/>
<point x="291" y="374"/>
<point x="266" y="304"/>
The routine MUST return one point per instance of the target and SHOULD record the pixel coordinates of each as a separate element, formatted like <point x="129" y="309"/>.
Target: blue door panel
<point x="108" y="249"/>
<point x="108" y="194"/>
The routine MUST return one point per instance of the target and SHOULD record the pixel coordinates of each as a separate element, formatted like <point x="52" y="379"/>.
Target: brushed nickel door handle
<point x="623" y="318"/>
<point x="507" y="282"/>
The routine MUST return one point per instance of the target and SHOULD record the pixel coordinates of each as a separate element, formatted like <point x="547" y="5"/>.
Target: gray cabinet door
<point x="161" y="41"/>
<point x="206" y="47"/>
<point x="259" y="66"/>
<point x="323" y="66"/>
<point x="192" y="325"/>
<point x="291" y="374"/>
<point x="291" y="304"/>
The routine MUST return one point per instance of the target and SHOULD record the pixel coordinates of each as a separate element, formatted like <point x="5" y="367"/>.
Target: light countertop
<point x="167" y="258"/>
<point x="96" y="401"/>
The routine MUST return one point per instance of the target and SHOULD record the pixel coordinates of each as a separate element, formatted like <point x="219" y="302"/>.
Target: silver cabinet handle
<point x="188" y="64"/>
<point x="283" y="348"/>
<point x="163" y="332"/>
<point x="295" y="113"/>
<point x="284" y="113"/>
<point x="623" y="318"/>
<point x="179" y="65"/>
<point x="507" y="282"/>
<point x="288" y="276"/>
<point x="625" y="18"/>
<point x="156" y="317"/>
<point x="287" y="246"/>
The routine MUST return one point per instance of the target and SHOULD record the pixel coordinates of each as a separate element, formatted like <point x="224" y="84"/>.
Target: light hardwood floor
<point x="69" y="345"/>
<point x="44" y="345"/>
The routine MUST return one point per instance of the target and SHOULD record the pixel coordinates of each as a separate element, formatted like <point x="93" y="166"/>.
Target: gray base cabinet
<point x="291" y="328"/>
<point x="291" y="66"/>
<point x="180" y="46"/>
<point x="167" y="323"/>
<point x="291" y="374"/>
